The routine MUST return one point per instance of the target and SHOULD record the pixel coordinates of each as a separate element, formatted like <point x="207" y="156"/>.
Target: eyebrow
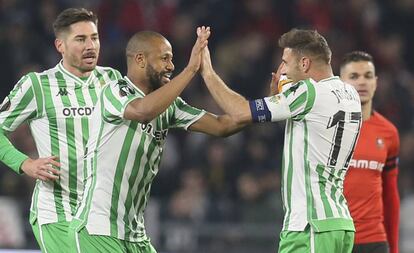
<point x="84" y="36"/>
<point x="367" y="72"/>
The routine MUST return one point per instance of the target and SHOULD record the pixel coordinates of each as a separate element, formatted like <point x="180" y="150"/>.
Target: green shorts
<point x="51" y="237"/>
<point x="309" y="241"/>
<point x="83" y="242"/>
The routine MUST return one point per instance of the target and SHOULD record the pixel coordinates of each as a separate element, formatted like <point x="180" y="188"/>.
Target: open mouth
<point x="166" y="77"/>
<point x="89" y="58"/>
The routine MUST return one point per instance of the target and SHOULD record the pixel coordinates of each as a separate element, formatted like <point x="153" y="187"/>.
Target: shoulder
<point x="298" y="88"/>
<point x="28" y="80"/>
<point x="102" y="69"/>
<point x="384" y="124"/>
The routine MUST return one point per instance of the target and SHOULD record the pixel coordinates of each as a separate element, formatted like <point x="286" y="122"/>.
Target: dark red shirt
<point x="375" y="156"/>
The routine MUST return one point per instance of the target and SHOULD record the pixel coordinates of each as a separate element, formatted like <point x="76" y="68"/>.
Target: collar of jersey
<point x="135" y="87"/>
<point x="329" y="78"/>
<point x="78" y="81"/>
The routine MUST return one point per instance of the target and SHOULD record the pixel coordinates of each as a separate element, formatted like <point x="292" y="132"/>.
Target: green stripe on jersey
<point x="54" y="140"/>
<point x="120" y="168"/>
<point x="322" y="188"/>
<point x="71" y="145"/>
<point x="23" y="103"/>
<point x="37" y="88"/>
<point x="310" y="100"/>
<point x="132" y="183"/>
<point x="289" y="172"/>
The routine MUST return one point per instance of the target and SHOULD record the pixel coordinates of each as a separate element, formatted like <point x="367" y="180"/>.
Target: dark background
<point x="211" y="194"/>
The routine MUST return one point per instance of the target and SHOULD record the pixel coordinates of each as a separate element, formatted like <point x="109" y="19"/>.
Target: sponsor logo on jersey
<point x="275" y="99"/>
<point x="366" y="164"/>
<point x="62" y="92"/>
<point x="380" y="143"/>
<point x="77" y="111"/>
<point x="158" y="135"/>
<point x="125" y="89"/>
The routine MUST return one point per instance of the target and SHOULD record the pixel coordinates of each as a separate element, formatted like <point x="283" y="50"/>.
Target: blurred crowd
<point x="205" y="180"/>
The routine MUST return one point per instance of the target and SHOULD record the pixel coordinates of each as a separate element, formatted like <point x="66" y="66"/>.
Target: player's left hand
<point x="203" y="33"/>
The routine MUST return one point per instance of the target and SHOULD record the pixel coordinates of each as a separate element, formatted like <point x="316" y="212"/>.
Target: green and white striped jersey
<point x="323" y="122"/>
<point x="124" y="157"/>
<point x="57" y="106"/>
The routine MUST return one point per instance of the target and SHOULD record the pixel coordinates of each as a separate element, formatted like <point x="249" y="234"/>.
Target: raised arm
<point x="147" y="108"/>
<point x="216" y="125"/>
<point x="235" y="105"/>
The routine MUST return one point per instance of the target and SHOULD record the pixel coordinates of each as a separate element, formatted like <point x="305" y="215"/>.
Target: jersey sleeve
<point x="391" y="198"/>
<point x="184" y="114"/>
<point x="114" y="99"/>
<point x="393" y="151"/>
<point x="19" y="106"/>
<point x="293" y="103"/>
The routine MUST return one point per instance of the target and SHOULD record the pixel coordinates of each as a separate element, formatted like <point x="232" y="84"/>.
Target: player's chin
<point x="165" y="80"/>
<point x="89" y="67"/>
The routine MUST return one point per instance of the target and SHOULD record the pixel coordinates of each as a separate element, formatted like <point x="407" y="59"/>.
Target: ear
<point x="140" y="59"/>
<point x="305" y="64"/>
<point x="376" y="83"/>
<point x="59" y="45"/>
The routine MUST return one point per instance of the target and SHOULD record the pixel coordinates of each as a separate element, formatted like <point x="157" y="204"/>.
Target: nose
<point x="283" y="69"/>
<point x="90" y="43"/>
<point x="361" y="81"/>
<point x="170" y="66"/>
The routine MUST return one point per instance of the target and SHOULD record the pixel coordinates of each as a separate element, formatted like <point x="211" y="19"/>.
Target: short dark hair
<point x="71" y="16"/>
<point x="307" y="42"/>
<point x="356" y="56"/>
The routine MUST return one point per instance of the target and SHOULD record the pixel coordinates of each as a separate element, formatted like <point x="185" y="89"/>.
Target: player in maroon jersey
<point x="371" y="182"/>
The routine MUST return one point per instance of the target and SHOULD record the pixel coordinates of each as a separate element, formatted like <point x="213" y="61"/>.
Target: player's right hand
<point x="42" y="168"/>
<point x="203" y="33"/>
<point x="206" y="66"/>
<point x="278" y="81"/>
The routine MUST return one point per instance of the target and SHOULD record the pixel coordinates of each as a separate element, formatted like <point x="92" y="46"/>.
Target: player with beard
<point x="132" y="120"/>
<point x="323" y="117"/>
<point x="57" y="104"/>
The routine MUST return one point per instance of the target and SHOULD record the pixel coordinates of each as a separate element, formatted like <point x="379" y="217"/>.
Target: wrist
<point x="23" y="165"/>
<point x="208" y="74"/>
<point x="191" y="69"/>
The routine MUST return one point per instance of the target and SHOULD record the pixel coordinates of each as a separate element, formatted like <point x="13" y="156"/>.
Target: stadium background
<point x="211" y="194"/>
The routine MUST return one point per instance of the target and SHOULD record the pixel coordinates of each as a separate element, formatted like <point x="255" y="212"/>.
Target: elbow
<point x="143" y="117"/>
<point x="224" y="133"/>
<point x="139" y="113"/>
<point x="232" y="128"/>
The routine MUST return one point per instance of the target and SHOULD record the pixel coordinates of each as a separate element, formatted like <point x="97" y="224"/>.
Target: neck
<point x="141" y="83"/>
<point x="366" y="110"/>
<point x="321" y="72"/>
<point x="75" y="71"/>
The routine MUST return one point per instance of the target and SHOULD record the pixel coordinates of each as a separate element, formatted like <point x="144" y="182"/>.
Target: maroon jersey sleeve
<point x="391" y="198"/>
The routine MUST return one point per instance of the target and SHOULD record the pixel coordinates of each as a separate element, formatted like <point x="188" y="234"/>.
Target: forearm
<point x="156" y="102"/>
<point x="9" y="155"/>
<point x="231" y="102"/>
<point x="228" y="126"/>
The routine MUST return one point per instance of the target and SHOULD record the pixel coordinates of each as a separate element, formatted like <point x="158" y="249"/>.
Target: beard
<point x="154" y="77"/>
<point x="77" y="62"/>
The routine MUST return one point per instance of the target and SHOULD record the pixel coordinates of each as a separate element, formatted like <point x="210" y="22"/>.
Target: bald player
<point x="132" y="120"/>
